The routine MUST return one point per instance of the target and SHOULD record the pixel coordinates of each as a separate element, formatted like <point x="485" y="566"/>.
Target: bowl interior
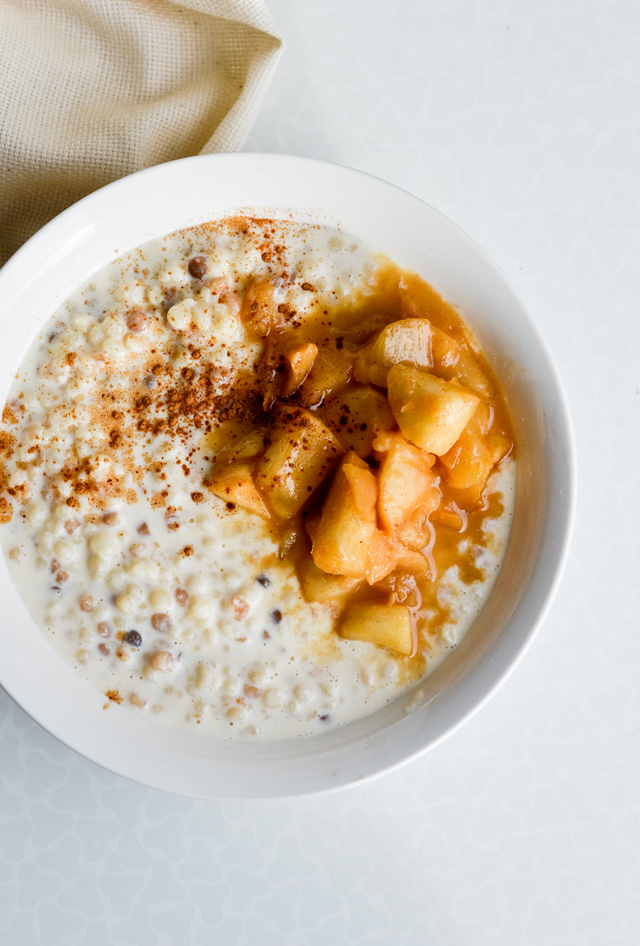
<point x="173" y="196"/>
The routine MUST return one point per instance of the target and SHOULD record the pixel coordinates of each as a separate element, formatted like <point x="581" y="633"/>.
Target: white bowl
<point x="183" y="193"/>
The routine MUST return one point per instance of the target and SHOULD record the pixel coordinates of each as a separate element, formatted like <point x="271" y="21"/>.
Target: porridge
<point x="256" y="481"/>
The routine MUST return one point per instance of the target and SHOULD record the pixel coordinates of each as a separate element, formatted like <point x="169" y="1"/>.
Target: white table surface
<point x="519" y="120"/>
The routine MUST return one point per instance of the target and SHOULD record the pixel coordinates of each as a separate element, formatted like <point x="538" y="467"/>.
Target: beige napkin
<point x="91" y="90"/>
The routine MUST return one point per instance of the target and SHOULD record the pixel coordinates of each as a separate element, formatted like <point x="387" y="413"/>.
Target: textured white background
<point x="519" y="120"/>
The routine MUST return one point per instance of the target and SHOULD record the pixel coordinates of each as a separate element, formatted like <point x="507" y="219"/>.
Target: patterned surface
<point x="520" y="122"/>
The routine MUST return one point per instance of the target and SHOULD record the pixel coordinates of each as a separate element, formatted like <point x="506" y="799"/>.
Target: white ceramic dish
<point x="183" y="193"/>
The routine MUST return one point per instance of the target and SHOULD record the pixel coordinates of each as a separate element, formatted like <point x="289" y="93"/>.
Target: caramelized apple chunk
<point x="331" y="371"/>
<point x="234" y="483"/>
<point x="405" y="557"/>
<point x="468" y="462"/>
<point x="407" y="341"/>
<point x="346" y="539"/>
<point x="299" y="361"/>
<point x="445" y="352"/>
<point x="500" y="446"/>
<point x="430" y="412"/>
<point x="402" y="587"/>
<point x="301" y="453"/>
<point x="320" y="586"/>
<point x="270" y="373"/>
<point x="452" y="359"/>
<point x="405" y="480"/>
<point x="259" y="309"/>
<point x="444" y="516"/>
<point x="246" y="448"/>
<point x="354" y="414"/>
<point x="416" y="533"/>
<point x="387" y="625"/>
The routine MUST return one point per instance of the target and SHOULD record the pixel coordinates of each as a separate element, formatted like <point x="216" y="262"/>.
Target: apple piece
<point x="477" y="458"/>
<point x="299" y="361"/>
<point x="364" y="488"/>
<point x="405" y="481"/>
<point x="227" y="436"/>
<point x="259" y="309"/>
<point x="408" y="341"/>
<point x="468" y="462"/>
<point x="302" y="452"/>
<point x="354" y="414"/>
<point x="270" y="372"/>
<point x="472" y="375"/>
<point x="411" y="559"/>
<point x="400" y="587"/>
<point x="483" y="418"/>
<point x="234" y="483"/>
<point x="448" y="518"/>
<point x="342" y="535"/>
<point x="416" y="533"/>
<point x="247" y="448"/>
<point x="331" y="371"/>
<point x="385" y="625"/>
<point x="430" y="412"/>
<point x="500" y="446"/>
<point x="346" y="539"/>
<point x="445" y="351"/>
<point x="281" y="370"/>
<point x="452" y="356"/>
<point x="320" y="586"/>
<point x="454" y="360"/>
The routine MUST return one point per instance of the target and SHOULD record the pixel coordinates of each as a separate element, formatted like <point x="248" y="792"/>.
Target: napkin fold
<point x="92" y="90"/>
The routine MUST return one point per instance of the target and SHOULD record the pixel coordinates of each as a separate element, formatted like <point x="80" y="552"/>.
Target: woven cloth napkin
<point x="91" y="90"/>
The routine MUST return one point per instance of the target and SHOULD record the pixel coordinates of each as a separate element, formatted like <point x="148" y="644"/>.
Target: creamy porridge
<point x="257" y="481"/>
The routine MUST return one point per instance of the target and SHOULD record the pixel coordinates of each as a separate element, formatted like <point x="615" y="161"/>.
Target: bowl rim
<point x="504" y="663"/>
